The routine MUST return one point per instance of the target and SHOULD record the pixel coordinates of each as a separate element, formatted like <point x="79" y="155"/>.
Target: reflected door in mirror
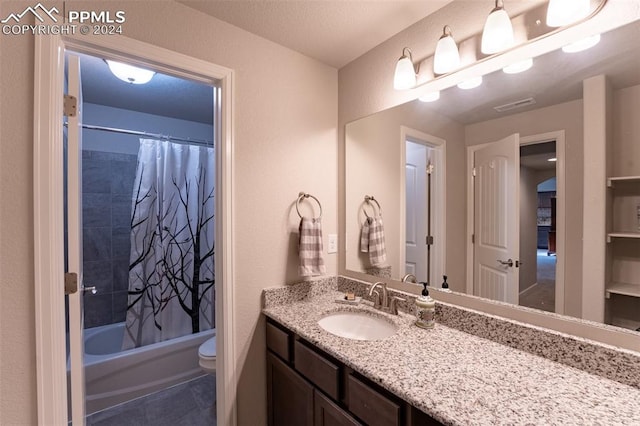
<point x="496" y="220"/>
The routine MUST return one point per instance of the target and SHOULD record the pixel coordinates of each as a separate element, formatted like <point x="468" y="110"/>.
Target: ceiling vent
<point x="516" y="104"/>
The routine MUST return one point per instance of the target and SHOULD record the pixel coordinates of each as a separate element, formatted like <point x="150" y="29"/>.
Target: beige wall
<point x="597" y="115"/>
<point x="373" y="153"/>
<point x="285" y="142"/>
<point x="17" y="324"/>
<point x="567" y="117"/>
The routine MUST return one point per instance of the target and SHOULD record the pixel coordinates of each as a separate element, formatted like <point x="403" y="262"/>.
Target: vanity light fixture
<point x="447" y="57"/>
<point x="471" y="83"/>
<point x="565" y="12"/>
<point x="497" y="35"/>
<point x="129" y="73"/>
<point x="518" y="67"/>
<point x="405" y="76"/>
<point x="430" y="96"/>
<point x="553" y="160"/>
<point x="580" y="45"/>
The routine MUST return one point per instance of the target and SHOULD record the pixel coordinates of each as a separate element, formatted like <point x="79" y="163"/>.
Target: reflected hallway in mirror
<point x="588" y="265"/>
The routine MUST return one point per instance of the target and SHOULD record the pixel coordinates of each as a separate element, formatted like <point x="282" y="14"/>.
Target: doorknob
<point x="508" y="263"/>
<point x="92" y="289"/>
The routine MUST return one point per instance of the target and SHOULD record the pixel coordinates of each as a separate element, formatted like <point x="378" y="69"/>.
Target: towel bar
<point x="303" y="195"/>
<point x="368" y="199"/>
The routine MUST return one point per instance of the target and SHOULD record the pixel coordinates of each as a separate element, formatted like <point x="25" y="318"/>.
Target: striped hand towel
<point x="372" y="241"/>
<point x="310" y="248"/>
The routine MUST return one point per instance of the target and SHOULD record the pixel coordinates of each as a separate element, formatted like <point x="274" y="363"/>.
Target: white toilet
<point x="207" y="355"/>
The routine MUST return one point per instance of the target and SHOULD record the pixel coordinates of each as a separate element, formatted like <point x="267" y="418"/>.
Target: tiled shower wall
<point x="107" y="187"/>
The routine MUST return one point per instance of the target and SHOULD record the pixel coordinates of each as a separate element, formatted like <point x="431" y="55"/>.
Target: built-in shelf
<point x="625" y="289"/>
<point x="612" y="235"/>
<point x="612" y="180"/>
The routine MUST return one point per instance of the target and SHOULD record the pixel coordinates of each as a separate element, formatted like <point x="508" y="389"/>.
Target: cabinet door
<point x="327" y="413"/>
<point x="371" y="406"/>
<point x="289" y="396"/>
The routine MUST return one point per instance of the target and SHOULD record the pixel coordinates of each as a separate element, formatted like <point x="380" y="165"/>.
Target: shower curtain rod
<point x="152" y="135"/>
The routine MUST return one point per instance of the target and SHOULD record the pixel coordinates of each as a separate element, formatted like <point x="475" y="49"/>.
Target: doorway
<point x="538" y="225"/>
<point x="423" y="251"/>
<point x="147" y="172"/>
<point x="557" y="137"/>
<point x="49" y="212"/>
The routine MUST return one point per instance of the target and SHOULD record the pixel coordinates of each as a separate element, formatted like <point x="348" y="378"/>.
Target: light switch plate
<point x="332" y="247"/>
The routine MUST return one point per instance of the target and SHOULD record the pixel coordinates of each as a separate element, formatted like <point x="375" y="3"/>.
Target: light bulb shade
<point x="564" y="12"/>
<point x="405" y="75"/>
<point x="129" y="73"/>
<point x="497" y="35"/>
<point x="430" y="96"/>
<point x="447" y="57"/>
<point x="472" y="83"/>
<point x="580" y="45"/>
<point x="518" y="67"/>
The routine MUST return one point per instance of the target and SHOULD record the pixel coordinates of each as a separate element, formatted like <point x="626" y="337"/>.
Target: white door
<point x="416" y="211"/>
<point x="496" y="220"/>
<point x="74" y="243"/>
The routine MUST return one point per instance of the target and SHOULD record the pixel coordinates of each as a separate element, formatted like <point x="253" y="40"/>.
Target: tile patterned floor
<point x="190" y="404"/>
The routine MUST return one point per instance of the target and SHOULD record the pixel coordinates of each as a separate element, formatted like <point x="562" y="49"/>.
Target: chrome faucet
<point x="410" y="278"/>
<point x="382" y="302"/>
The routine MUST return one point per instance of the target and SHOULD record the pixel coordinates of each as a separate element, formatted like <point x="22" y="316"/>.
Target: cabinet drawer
<point x="315" y="367"/>
<point x="371" y="406"/>
<point x="278" y="341"/>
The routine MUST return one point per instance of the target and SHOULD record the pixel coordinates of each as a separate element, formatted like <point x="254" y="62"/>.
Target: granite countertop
<point x="461" y="379"/>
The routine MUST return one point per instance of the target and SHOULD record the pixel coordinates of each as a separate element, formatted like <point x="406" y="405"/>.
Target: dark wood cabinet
<point x="306" y="387"/>
<point x="318" y="369"/>
<point x="290" y="397"/>
<point x="371" y="406"/>
<point x="328" y="413"/>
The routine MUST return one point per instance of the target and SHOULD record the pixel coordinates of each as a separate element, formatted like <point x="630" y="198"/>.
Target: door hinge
<point x="429" y="240"/>
<point x="70" y="106"/>
<point x="70" y="283"/>
<point x="473" y="238"/>
<point x="473" y="172"/>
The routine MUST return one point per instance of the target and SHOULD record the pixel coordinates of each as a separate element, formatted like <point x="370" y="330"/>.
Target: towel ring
<point x="302" y="195"/>
<point x="368" y="199"/>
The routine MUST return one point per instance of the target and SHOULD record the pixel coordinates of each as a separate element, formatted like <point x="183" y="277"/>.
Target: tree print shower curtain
<point x="171" y="270"/>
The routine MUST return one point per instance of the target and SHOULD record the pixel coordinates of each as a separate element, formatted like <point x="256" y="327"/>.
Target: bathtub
<point x="113" y="376"/>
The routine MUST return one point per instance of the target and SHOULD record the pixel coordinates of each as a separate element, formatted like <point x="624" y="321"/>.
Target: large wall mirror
<point x="485" y="185"/>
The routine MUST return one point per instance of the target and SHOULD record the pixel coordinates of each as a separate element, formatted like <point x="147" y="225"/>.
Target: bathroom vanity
<point x="417" y="376"/>
<point x="307" y="386"/>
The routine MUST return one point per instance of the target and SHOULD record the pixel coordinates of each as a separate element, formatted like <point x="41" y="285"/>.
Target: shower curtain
<point x="171" y="269"/>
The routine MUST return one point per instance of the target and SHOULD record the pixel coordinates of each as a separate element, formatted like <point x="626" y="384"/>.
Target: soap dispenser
<point x="445" y="284"/>
<point x="425" y="309"/>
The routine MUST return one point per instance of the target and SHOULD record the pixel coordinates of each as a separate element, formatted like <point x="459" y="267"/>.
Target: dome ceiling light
<point x="129" y="73"/>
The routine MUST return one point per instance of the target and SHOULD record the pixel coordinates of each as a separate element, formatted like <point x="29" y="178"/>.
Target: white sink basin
<point x="357" y="325"/>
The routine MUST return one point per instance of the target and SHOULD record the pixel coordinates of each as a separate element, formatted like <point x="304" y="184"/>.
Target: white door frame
<point x="439" y="228"/>
<point x="51" y="376"/>
<point x="559" y="137"/>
